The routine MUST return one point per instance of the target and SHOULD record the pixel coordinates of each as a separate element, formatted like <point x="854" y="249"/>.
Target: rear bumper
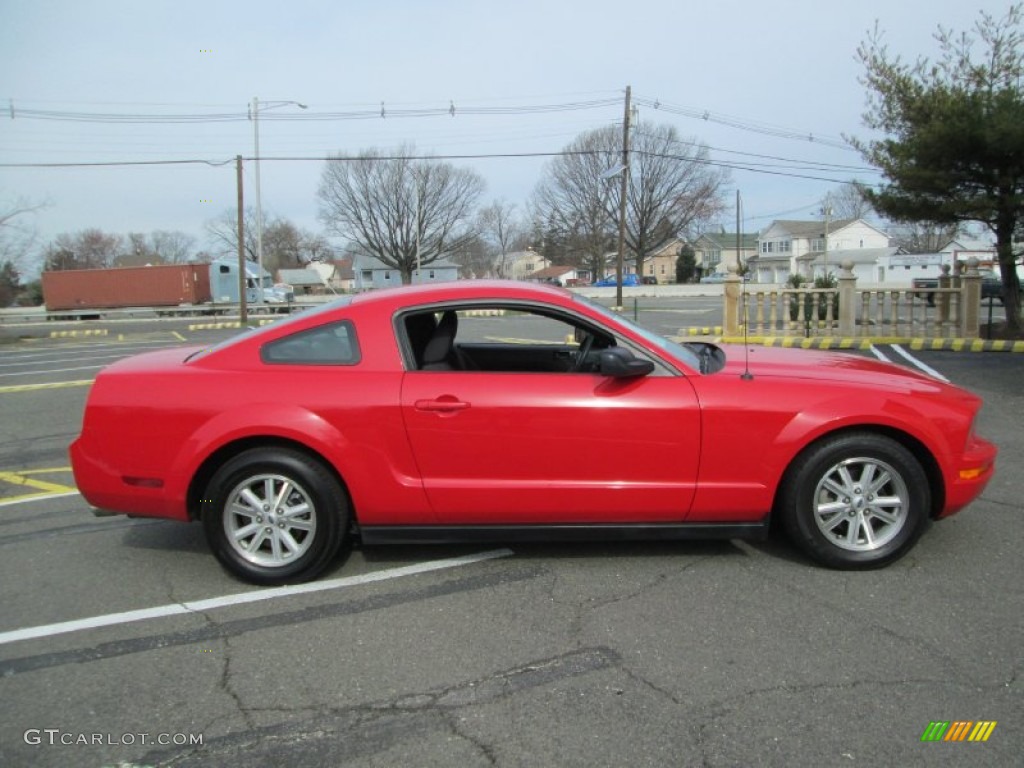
<point x="113" y="493"/>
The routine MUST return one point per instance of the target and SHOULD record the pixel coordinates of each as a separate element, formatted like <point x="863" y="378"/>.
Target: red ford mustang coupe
<point x="502" y="411"/>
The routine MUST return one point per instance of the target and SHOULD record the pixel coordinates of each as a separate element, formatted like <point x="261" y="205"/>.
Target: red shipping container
<point x="157" y="286"/>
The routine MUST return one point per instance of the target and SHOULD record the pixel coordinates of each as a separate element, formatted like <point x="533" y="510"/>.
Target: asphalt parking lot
<point x="705" y="653"/>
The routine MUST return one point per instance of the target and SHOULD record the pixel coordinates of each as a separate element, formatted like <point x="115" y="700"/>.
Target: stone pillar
<point x="945" y="281"/>
<point x="970" y="300"/>
<point x="731" y="317"/>
<point x="847" y="299"/>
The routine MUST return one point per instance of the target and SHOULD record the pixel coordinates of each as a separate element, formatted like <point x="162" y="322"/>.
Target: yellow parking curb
<point x="74" y="334"/>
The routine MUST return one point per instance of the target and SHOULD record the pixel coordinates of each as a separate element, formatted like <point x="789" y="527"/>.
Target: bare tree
<point x="475" y="258"/>
<point x="573" y="204"/>
<point x="671" y="186"/>
<point x="925" y="237"/>
<point x="223" y="233"/>
<point x="501" y="228"/>
<point x="17" y="236"/>
<point x="285" y="246"/>
<point x="87" y="249"/>
<point x="397" y="209"/>
<point x="173" y="246"/>
<point x="316" y="248"/>
<point x="137" y="252"/>
<point x="282" y="246"/>
<point x="848" y="201"/>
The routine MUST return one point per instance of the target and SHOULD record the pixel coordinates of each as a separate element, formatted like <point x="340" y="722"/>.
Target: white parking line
<point x="923" y="366"/>
<point x="197" y="606"/>
<point x="879" y="354"/>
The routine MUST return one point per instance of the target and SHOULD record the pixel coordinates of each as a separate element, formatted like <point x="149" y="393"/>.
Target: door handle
<point x="441" y="405"/>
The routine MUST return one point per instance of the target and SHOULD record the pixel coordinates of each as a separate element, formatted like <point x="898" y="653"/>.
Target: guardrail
<point x="41" y="315"/>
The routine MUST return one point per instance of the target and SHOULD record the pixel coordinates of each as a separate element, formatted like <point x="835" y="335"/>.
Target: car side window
<point x="332" y="344"/>
<point x="499" y="339"/>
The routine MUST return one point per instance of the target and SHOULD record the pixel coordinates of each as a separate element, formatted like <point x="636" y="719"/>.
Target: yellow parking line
<point x="50" y="385"/>
<point x="178" y="336"/>
<point x="19" y="478"/>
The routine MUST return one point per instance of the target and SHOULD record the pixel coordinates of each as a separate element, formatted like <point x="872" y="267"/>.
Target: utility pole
<point x="738" y="236"/>
<point x="243" y="307"/>
<point x="827" y="210"/>
<point x="623" y="191"/>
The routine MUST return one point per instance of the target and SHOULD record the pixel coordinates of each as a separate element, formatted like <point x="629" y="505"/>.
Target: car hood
<point x="818" y="365"/>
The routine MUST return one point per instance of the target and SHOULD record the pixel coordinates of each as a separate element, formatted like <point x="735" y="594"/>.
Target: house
<point x="661" y="264"/>
<point x="870" y="265"/>
<point x="783" y="246"/>
<point x="965" y="248"/>
<point x="904" y="267"/>
<point x="519" y="264"/>
<point x="717" y="251"/>
<point x="336" y="274"/>
<point x="559" y="275"/>
<point x="371" y="273"/>
<point x="304" y="282"/>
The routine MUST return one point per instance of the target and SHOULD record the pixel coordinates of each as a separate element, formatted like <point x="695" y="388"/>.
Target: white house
<point x="520" y="264"/>
<point x="810" y="248"/>
<point x="965" y="248"/>
<point x="371" y="273"/>
<point x="560" y="275"/>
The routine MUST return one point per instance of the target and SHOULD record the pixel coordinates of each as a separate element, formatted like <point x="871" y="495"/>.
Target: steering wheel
<point x="581" y="354"/>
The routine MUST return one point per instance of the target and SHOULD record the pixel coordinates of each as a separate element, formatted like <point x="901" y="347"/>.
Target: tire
<point x="855" y="501"/>
<point x="269" y="544"/>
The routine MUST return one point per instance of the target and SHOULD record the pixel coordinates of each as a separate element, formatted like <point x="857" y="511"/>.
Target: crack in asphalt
<point x="374" y="727"/>
<point x="215" y="630"/>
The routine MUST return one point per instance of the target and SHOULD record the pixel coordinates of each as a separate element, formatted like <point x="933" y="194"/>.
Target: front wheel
<point x="274" y="516"/>
<point x="855" y="501"/>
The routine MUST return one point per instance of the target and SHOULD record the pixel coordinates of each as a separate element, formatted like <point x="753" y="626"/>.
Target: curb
<point x="220" y="326"/>
<point x="72" y="334"/>
<point x="714" y="330"/>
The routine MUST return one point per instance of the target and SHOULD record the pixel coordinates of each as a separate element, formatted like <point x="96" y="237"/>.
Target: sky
<point x="778" y="82"/>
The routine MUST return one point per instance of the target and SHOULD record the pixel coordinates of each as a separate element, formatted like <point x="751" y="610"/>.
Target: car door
<point x="545" y="447"/>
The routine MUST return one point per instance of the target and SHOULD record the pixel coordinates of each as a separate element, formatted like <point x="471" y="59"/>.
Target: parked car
<point x="991" y="287"/>
<point x="630" y="281"/>
<point x="498" y="410"/>
<point x="649" y="280"/>
<point x="714" y="277"/>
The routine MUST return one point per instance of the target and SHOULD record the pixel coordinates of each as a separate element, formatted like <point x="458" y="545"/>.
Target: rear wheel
<point x="857" y="500"/>
<point x="274" y="516"/>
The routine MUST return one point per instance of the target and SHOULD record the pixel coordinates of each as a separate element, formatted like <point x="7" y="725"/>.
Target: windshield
<point x="674" y="350"/>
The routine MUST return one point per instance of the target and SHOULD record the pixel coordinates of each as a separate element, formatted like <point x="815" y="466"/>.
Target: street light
<point x="254" y="115"/>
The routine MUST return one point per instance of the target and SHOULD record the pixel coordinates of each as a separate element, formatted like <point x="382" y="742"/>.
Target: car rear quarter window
<point x="332" y="344"/>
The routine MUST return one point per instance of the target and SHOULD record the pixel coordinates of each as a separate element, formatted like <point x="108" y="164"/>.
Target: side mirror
<point x="619" y="363"/>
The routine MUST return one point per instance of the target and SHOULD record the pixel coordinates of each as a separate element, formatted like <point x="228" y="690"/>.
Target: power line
<point x="116" y="163"/>
<point x="481" y="156"/>
<point x="383" y="111"/>
<point x="745" y="124"/>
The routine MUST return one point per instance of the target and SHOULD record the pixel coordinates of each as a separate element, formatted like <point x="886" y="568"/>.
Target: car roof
<point x="456" y="290"/>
